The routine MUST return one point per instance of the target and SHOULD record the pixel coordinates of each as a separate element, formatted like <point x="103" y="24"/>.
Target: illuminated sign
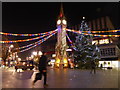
<point x="104" y="41"/>
<point x="95" y="42"/>
<point x="68" y="49"/>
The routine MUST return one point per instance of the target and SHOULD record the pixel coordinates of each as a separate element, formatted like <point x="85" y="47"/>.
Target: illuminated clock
<point x="59" y="21"/>
<point x="64" y="22"/>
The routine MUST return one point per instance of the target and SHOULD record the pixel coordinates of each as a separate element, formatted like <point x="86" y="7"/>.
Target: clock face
<point x="59" y="21"/>
<point x="64" y="22"/>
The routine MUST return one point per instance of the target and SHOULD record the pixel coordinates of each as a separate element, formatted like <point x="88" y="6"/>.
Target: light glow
<point x="53" y="55"/>
<point x="104" y="41"/>
<point x="40" y="53"/>
<point x="34" y="53"/>
<point x="109" y="63"/>
<point x="58" y="22"/>
<point x="65" y="61"/>
<point x="95" y="42"/>
<point x="83" y="17"/>
<point x="11" y="46"/>
<point x="69" y="50"/>
<point x="65" y="65"/>
<point x="19" y="59"/>
<point x="57" y="60"/>
<point x="64" y="22"/>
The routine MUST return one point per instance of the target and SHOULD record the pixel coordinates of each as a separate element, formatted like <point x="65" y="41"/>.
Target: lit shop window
<point x="95" y="42"/>
<point x="104" y="41"/>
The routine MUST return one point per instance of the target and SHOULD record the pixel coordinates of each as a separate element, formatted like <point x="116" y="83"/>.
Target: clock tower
<point x="61" y="46"/>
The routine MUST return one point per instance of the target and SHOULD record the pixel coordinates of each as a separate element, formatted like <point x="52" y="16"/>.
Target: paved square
<point x="66" y="78"/>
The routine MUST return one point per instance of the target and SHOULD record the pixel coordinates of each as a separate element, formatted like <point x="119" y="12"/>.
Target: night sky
<point x="37" y="17"/>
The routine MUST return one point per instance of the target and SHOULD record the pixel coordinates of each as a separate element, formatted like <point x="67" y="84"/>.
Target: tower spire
<point x="61" y="46"/>
<point x="61" y="11"/>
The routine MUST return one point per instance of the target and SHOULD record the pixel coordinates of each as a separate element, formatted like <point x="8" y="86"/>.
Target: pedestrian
<point x="42" y="66"/>
<point x="101" y="66"/>
<point x="93" y="67"/>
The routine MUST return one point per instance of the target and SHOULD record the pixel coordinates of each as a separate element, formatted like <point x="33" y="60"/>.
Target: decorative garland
<point x="71" y="43"/>
<point x="97" y="31"/>
<point x="14" y="41"/>
<point x="92" y="33"/>
<point x="11" y="34"/>
<point x="33" y="43"/>
<point x="40" y="41"/>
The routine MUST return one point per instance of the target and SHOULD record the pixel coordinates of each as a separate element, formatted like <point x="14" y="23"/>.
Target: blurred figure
<point x="101" y="66"/>
<point x="93" y="67"/>
<point x="42" y="66"/>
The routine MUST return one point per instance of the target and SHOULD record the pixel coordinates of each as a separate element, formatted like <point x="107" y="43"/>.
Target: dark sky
<point x="37" y="17"/>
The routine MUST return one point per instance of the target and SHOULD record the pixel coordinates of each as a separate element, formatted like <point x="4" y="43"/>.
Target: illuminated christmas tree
<point x="85" y="51"/>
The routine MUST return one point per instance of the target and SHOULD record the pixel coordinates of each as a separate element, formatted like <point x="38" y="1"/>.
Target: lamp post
<point x="11" y="50"/>
<point x="34" y="53"/>
<point x="11" y="53"/>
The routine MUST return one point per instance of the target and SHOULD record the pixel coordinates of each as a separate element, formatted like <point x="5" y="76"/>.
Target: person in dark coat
<point x="42" y="66"/>
<point x="93" y="67"/>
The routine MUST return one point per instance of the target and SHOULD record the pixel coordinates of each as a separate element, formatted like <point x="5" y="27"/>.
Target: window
<point x="107" y="52"/>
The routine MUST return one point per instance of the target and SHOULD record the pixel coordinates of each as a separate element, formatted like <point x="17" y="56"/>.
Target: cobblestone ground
<point x="62" y="78"/>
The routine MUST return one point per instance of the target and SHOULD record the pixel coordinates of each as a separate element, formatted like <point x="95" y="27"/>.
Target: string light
<point x="41" y="41"/>
<point x="14" y="41"/>
<point x="11" y="34"/>
<point x="32" y="43"/>
<point x="99" y="31"/>
<point x="71" y="43"/>
<point x="93" y="33"/>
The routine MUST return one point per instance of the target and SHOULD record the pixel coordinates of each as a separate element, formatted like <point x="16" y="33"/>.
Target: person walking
<point x="93" y="67"/>
<point x="101" y="66"/>
<point x="42" y="66"/>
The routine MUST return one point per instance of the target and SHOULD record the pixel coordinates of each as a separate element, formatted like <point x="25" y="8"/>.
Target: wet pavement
<point x="62" y="78"/>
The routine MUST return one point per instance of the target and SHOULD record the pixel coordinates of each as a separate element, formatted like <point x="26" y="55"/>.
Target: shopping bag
<point x="38" y="76"/>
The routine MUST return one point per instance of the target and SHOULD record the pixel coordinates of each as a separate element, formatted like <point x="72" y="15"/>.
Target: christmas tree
<point x="85" y="51"/>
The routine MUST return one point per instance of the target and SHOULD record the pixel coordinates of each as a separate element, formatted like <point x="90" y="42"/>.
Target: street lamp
<point x="10" y="53"/>
<point x="19" y="59"/>
<point x="11" y="46"/>
<point x="32" y="56"/>
<point x="40" y="53"/>
<point x="53" y="55"/>
<point x="35" y="53"/>
<point x="83" y="17"/>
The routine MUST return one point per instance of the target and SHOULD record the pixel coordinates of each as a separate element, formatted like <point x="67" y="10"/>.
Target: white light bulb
<point x="83" y="17"/>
